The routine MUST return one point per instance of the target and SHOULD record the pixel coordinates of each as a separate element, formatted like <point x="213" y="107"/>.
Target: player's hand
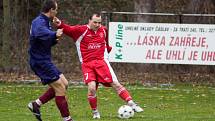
<point x="59" y="33"/>
<point x="109" y="48"/>
<point x="56" y="21"/>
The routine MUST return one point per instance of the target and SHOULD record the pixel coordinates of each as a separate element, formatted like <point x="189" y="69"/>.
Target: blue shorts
<point x="46" y="71"/>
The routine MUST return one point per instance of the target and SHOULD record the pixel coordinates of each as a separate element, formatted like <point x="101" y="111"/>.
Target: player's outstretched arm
<point x="59" y="33"/>
<point x="109" y="48"/>
<point x="56" y="21"/>
<point x="72" y="31"/>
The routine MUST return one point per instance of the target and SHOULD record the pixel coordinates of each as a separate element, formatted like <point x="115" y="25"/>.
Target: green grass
<point x="178" y="103"/>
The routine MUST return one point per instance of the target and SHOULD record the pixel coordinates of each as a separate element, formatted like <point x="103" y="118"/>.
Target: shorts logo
<point x="55" y="77"/>
<point x="106" y="78"/>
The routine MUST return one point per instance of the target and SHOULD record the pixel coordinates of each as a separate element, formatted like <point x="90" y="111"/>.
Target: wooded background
<point x="18" y="14"/>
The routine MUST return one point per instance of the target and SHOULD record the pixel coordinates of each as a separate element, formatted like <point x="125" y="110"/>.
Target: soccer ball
<point x="125" y="111"/>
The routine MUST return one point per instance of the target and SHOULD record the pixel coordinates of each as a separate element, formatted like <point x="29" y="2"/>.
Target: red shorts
<point x="99" y="71"/>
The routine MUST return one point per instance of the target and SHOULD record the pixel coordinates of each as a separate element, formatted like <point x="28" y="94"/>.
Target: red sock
<point x="62" y="105"/>
<point x="92" y="101"/>
<point x="124" y="94"/>
<point x="48" y="95"/>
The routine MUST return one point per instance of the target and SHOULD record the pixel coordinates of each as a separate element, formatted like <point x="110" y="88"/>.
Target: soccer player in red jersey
<point x="42" y="39"/>
<point x="92" y="46"/>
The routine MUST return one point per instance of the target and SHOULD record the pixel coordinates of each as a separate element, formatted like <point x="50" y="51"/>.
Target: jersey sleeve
<point x="109" y="48"/>
<point x="72" y="31"/>
<point x="44" y="33"/>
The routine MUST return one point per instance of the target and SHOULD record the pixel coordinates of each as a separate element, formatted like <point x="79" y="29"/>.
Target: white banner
<point x="162" y="43"/>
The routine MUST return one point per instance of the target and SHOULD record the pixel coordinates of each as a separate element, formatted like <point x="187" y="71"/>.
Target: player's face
<point x="95" y="22"/>
<point x="53" y="12"/>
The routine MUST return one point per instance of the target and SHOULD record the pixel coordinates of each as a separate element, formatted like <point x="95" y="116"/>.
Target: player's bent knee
<point x="64" y="80"/>
<point x="92" y="91"/>
<point x="66" y="84"/>
<point x="59" y="87"/>
<point x="92" y="88"/>
<point x="60" y="91"/>
<point x="116" y="85"/>
<point x="66" y="87"/>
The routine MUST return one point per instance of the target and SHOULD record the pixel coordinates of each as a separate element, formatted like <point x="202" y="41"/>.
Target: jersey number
<point x="86" y="76"/>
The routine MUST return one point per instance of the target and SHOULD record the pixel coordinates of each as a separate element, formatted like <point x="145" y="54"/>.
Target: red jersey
<point x="90" y="44"/>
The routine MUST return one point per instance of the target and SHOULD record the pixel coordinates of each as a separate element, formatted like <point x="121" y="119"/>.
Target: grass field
<point x="178" y="103"/>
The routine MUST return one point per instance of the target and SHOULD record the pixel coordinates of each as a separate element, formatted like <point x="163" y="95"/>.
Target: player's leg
<point x="50" y="75"/>
<point x="43" y="70"/>
<point x="64" y="80"/>
<point x="89" y="80"/>
<point x="60" y="98"/>
<point x="35" y="105"/>
<point x="107" y="76"/>
<point x="46" y="72"/>
<point x="124" y="95"/>
<point x="45" y="97"/>
<point x="120" y="89"/>
<point x="92" y="99"/>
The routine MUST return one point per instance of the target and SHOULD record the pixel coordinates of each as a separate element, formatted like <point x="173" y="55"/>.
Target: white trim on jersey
<point x="106" y="55"/>
<point x="111" y="71"/>
<point x="104" y="33"/>
<point x="78" y="45"/>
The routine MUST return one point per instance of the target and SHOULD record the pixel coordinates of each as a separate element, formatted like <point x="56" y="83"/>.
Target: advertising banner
<point x="162" y="43"/>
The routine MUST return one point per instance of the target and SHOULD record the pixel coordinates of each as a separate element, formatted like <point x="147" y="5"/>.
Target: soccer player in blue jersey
<point x="42" y="38"/>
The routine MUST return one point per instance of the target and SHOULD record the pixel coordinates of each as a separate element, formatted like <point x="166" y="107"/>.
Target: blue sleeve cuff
<point x="53" y="35"/>
<point x="53" y="38"/>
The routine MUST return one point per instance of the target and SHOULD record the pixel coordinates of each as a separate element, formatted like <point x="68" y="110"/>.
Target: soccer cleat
<point x="35" y="109"/>
<point x="96" y="114"/>
<point x="68" y="119"/>
<point x="136" y="108"/>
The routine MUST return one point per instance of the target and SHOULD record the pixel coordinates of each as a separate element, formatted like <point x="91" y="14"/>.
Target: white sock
<point x="95" y="111"/>
<point x="131" y="102"/>
<point x="66" y="118"/>
<point x="38" y="102"/>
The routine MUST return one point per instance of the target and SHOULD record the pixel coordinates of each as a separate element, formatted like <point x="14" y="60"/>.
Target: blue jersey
<point x="42" y="38"/>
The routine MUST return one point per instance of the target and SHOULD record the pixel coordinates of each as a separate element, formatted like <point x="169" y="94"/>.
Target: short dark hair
<point x="48" y="4"/>
<point x="95" y="13"/>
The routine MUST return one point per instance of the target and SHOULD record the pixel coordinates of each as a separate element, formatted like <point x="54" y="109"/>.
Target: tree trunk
<point x="202" y="7"/>
<point x="1" y="26"/>
<point x="6" y="57"/>
<point x="144" y="6"/>
<point x="25" y="35"/>
<point x="20" y="30"/>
